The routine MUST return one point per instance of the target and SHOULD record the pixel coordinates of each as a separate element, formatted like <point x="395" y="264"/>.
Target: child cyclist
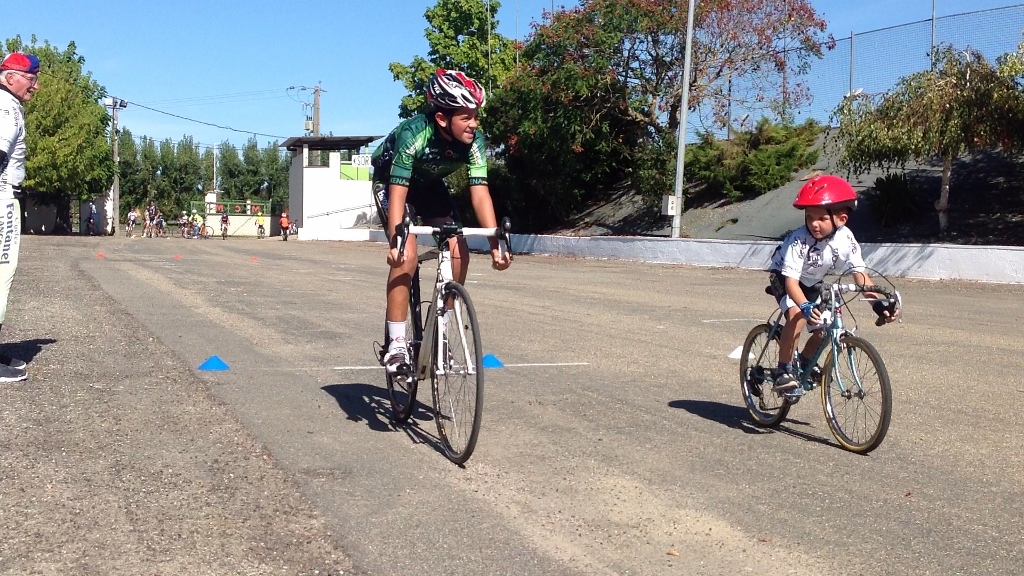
<point x="409" y="168"/>
<point x="822" y="246"/>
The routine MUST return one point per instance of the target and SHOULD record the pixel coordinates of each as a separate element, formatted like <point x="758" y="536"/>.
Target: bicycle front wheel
<point x="206" y="232"/>
<point x="856" y="395"/>
<point x="457" y="381"/>
<point x="758" y="361"/>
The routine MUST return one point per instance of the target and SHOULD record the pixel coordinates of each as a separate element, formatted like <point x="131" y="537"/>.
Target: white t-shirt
<point x="12" y="141"/>
<point x="802" y="256"/>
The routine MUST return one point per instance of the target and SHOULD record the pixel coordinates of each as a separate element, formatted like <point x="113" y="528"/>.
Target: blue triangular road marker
<point x="491" y="361"/>
<point x="213" y="363"/>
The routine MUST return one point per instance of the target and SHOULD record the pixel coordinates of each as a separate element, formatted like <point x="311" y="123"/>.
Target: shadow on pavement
<point x="368" y="403"/>
<point x="27" y="350"/>
<point x="738" y="418"/>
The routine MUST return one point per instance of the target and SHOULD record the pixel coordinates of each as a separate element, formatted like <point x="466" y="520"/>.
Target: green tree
<point x="207" y="163"/>
<point x="962" y="105"/>
<point x="230" y="171"/>
<point x="133" y="192"/>
<point x="149" y="169"/>
<point x="462" y="36"/>
<point x="596" y="97"/>
<point x="274" y="186"/>
<point x="69" y="155"/>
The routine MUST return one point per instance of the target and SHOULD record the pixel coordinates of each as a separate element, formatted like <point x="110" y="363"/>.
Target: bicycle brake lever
<point x="505" y="231"/>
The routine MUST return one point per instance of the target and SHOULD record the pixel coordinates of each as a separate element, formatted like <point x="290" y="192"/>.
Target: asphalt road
<point x="633" y="456"/>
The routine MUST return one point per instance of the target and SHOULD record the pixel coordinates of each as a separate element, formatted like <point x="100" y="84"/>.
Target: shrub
<point x="753" y="162"/>
<point x="895" y="200"/>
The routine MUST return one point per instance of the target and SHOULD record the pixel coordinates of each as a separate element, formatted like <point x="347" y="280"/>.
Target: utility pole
<point x="316" y="110"/>
<point x="677" y="218"/>
<point x="213" y="185"/>
<point x="115" y="104"/>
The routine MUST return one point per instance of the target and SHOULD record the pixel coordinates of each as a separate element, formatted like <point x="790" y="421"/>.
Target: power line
<point x="217" y="96"/>
<point x="207" y="123"/>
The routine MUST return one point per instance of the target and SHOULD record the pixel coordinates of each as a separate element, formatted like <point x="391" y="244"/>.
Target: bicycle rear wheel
<point x="402" y="385"/>
<point x="858" y="412"/>
<point x="206" y="232"/>
<point x="758" y="360"/>
<point x="458" y="383"/>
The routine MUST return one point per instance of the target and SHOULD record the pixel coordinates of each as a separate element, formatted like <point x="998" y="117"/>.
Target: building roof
<point x="328" y="142"/>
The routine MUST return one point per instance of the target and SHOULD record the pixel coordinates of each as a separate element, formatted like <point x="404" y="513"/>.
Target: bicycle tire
<point x="205" y="232"/>
<point x="767" y="409"/>
<point x="224" y="234"/>
<point x="402" y="387"/>
<point x="839" y="405"/>
<point x="458" y="394"/>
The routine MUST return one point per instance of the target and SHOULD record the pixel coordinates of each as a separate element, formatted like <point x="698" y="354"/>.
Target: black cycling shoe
<point x="12" y="362"/>
<point x="8" y="374"/>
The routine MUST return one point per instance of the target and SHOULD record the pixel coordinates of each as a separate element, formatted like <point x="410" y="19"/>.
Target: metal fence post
<point x="851" y="64"/>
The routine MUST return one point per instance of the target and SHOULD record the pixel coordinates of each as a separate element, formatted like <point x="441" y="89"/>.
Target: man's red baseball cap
<point x="21" y="62"/>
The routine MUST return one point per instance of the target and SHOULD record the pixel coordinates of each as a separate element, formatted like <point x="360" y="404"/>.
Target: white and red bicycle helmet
<point x="826" y="191"/>
<point x="451" y="90"/>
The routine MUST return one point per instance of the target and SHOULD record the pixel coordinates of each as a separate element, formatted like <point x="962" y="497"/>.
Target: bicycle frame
<point x="831" y="302"/>
<point x="436" y="307"/>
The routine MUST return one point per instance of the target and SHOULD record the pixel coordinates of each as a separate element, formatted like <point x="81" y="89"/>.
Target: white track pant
<point x="10" y="242"/>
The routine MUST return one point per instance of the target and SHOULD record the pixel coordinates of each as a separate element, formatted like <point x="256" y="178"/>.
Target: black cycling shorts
<point x="777" y="287"/>
<point x="430" y="201"/>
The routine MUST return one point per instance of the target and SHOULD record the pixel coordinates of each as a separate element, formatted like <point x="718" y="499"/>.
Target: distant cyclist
<point x="286" y="225"/>
<point x="129" y="228"/>
<point x="410" y="166"/>
<point x="150" y="219"/>
<point x="225" y="220"/>
<point x="261" y="225"/>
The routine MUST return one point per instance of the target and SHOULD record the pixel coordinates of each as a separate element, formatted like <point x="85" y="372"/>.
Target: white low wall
<point x="1004" y="264"/>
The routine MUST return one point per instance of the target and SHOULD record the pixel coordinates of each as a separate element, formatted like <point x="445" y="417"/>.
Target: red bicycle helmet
<point x="451" y="89"/>
<point x="826" y="191"/>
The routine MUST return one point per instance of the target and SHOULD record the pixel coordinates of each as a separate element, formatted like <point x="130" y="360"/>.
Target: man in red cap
<point x="19" y="80"/>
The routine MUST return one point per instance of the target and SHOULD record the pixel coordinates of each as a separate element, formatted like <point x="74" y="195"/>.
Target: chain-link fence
<point x="874" y="61"/>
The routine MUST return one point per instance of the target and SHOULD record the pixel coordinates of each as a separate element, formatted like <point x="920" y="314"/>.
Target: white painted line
<point x="554" y="364"/>
<point x="506" y="366"/>
<point x="735" y="354"/>
<point x="730" y="320"/>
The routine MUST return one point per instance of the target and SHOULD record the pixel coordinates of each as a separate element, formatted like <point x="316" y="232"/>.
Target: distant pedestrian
<point x="19" y="80"/>
<point x="91" y="222"/>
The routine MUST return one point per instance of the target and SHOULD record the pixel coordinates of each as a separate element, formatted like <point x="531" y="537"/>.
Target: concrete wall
<point x="323" y="202"/>
<point x="1002" y="264"/>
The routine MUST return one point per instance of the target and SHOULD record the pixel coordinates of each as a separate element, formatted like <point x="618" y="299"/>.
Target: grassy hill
<point x="986" y="207"/>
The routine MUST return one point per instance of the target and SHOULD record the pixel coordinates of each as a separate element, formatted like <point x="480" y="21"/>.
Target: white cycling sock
<point x="396" y="334"/>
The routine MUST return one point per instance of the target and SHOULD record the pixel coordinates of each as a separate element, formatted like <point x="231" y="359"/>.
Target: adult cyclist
<point x="409" y="168"/>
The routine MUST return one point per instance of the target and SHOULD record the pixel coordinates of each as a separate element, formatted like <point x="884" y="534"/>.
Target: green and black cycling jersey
<point x="415" y="151"/>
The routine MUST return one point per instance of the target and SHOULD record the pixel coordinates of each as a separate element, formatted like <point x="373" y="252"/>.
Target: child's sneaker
<point x="784" y="381"/>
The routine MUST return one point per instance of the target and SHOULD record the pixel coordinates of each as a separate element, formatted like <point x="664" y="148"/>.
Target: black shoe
<point x="785" y="381"/>
<point x="12" y="362"/>
<point x="8" y="374"/>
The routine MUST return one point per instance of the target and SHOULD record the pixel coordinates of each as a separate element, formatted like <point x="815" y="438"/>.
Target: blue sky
<point x="184" y="57"/>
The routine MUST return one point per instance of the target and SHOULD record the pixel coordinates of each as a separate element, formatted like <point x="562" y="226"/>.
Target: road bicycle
<point x="444" y="345"/>
<point x="129" y="228"/>
<point x="260" y="231"/>
<point x="223" y="231"/>
<point x="856" y="394"/>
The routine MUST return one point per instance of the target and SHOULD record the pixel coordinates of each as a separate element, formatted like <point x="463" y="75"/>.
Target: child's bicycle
<point x="449" y="334"/>
<point x="855" y="390"/>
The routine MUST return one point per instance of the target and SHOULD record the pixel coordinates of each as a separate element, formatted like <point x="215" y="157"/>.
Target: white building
<point x="323" y="201"/>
